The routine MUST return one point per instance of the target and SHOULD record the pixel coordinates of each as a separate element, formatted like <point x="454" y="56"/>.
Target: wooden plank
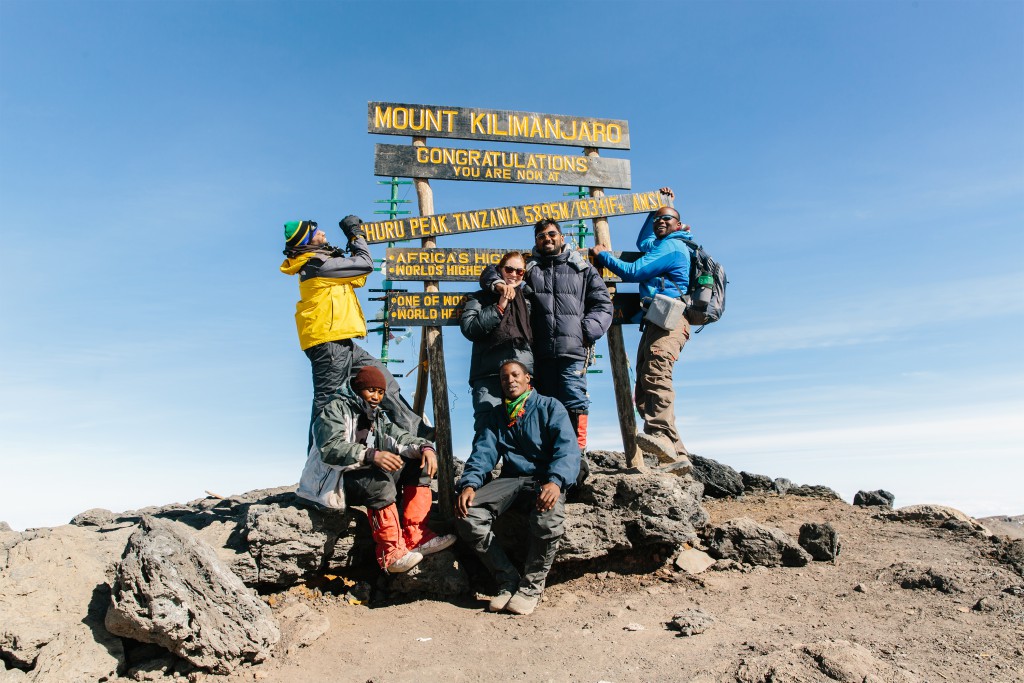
<point x="411" y="264"/>
<point x="617" y="356"/>
<point x="537" y="168"/>
<point x="423" y="309"/>
<point x="472" y="123"/>
<point x="501" y="218"/>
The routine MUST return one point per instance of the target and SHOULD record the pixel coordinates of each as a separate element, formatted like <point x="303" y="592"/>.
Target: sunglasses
<point x="665" y="217"/>
<point x="510" y="270"/>
<point x="549" y="233"/>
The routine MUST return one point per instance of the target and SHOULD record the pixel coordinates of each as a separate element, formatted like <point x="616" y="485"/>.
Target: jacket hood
<point x="292" y="265"/>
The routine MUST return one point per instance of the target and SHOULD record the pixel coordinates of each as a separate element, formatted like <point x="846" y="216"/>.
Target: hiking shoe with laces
<point x="404" y="563"/>
<point x="435" y="545"/>
<point x="522" y="605"/>
<point x="499" y="601"/>
<point x="681" y="467"/>
<point x="656" y="445"/>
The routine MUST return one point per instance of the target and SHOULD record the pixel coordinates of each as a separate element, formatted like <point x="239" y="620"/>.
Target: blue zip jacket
<point x="540" y="444"/>
<point x="663" y="269"/>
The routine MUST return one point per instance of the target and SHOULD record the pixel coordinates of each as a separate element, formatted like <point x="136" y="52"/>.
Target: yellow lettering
<point x="381" y="119"/>
<point x="476" y="123"/>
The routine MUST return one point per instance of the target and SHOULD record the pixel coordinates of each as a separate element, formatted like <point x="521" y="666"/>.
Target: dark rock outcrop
<point x="821" y="540"/>
<point x="720" y="481"/>
<point x="744" y="540"/>
<point x="756" y="482"/>
<point x="878" y="498"/>
<point x="171" y="589"/>
<point x="814" y="491"/>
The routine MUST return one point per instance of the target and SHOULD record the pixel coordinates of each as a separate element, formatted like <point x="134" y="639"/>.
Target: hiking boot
<point x="681" y="467"/>
<point x="656" y="445"/>
<point x="499" y="601"/>
<point x="435" y="544"/>
<point x="404" y="563"/>
<point x="522" y="605"/>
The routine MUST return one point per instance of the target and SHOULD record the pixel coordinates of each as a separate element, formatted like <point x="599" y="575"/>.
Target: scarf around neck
<point x="516" y="408"/>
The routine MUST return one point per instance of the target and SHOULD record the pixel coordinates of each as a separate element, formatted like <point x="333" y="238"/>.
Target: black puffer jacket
<point x="571" y="307"/>
<point x="480" y="318"/>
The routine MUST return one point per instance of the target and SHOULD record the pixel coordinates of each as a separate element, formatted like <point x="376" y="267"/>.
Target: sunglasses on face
<point x="665" y="217"/>
<point x="549" y="233"/>
<point x="510" y="270"/>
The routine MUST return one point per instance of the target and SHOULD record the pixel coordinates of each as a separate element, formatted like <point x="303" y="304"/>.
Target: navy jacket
<point x="541" y="444"/>
<point x="571" y="305"/>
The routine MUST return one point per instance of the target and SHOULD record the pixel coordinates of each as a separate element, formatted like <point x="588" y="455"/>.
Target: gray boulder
<point x="744" y="540"/>
<point x="690" y="622"/>
<point x="720" y="481"/>
<point x="781" y="486"/>
<point x="171" y="589"/>
<point x="93" y="517"/>
<point x="821" y="540"/>
<point x="439" y="576"/>
<point x="288" y="541"/>
<point x="878" y="498"/>
<point x="53" y="595"/>
<point x="625" y="512"/>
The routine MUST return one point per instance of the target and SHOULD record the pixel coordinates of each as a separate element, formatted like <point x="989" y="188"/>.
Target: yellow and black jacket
<point x="328" y="309"/>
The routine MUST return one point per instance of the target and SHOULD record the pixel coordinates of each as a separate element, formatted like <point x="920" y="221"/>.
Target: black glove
<point x="352" y="226"/>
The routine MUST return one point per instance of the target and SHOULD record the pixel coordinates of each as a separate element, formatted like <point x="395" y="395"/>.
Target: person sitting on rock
<point x="360" y="457"/>
<point x="533" y="436"/>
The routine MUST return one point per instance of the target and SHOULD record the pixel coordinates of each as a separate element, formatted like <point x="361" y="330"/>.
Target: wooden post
<point x="617" y="354"/>
<point x="433" y="342"/>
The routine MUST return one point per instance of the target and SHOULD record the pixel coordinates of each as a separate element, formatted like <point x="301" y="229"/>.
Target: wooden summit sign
<point x="432" y="309"/>
<point x="461" y="265"/>
<point x="420" y="227"/>
<point x="470" y="123"/>
<point x="445" y="163"/>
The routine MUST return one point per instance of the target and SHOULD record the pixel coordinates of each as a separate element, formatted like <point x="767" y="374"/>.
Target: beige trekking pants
<point x="655" y="397"/>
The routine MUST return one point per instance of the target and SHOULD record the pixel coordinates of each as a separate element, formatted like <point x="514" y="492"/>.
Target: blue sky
<point x="858" y="168"/>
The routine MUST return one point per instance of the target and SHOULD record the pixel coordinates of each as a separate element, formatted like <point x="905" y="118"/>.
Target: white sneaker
<point x="656" y="445"/>
<point x="436" y="544"/>
<point x="404" y="563"/>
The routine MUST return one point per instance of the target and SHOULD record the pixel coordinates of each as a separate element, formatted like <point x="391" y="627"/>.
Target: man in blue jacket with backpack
<point x="664" y="268"/>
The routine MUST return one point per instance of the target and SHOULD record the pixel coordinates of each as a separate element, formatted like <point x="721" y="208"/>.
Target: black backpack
<point x="705" y="297"/>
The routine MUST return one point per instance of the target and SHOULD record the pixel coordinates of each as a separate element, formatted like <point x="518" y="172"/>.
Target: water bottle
<point x="705" y="282"/>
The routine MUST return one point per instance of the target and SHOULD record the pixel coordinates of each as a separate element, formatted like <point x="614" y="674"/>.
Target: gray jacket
<point x="478" y="322"/>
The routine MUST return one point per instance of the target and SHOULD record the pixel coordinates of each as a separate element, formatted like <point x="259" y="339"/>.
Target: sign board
<point x="435" y="225"/>
<point x="471" y="123"/>
<point x="434" y="309"/>
<point x="460" y="265"/>
<point x="446" y="163"/>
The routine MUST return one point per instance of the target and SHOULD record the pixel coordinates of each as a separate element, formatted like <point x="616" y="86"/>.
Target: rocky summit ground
<point x="903" y="602"/>
<point x="916" y="594"/>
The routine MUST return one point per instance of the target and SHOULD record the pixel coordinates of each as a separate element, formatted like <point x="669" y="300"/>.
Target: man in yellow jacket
<point x="328" y="315"/>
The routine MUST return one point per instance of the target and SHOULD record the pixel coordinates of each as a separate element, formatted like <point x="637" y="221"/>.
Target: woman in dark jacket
<point x="500" y="330"/>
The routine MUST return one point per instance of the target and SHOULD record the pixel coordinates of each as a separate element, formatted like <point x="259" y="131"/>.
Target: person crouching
<point x="360" y="457"/>
<point x="533" y="436"/>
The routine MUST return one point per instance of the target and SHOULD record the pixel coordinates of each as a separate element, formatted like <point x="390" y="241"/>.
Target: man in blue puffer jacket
<point x="664" y="268"/>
